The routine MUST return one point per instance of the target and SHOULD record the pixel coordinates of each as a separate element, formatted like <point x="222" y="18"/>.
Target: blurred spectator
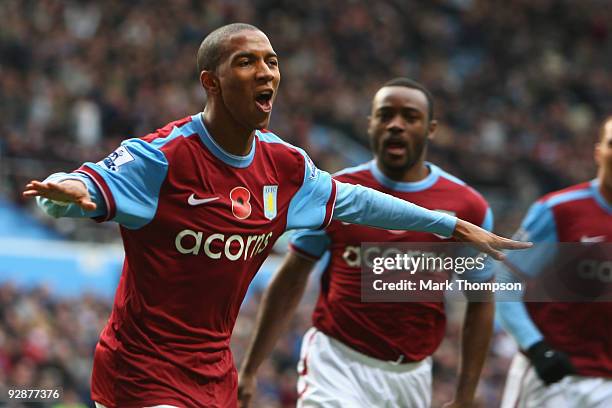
<point x="519" y="84"/>
<point x="48" y="343"/>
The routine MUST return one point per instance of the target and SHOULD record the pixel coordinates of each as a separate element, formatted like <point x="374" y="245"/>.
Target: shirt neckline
<point x="599" y="198"/>
<point x="406" y="186"/>
<point x="217" y="151"/>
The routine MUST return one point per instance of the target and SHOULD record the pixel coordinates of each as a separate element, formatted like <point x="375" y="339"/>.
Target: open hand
<point x="486" y="241"/>
<point x="67" y="191"/>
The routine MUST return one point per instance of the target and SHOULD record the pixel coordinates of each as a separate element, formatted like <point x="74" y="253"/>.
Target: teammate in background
<point x="200" y="203"/>
<point x="567" y="347"/>
<point x="374" y="354"/>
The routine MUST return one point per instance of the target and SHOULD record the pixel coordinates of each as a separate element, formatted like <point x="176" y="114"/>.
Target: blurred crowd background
<point x="520" y="88"/>
<point x="47" y="342"/>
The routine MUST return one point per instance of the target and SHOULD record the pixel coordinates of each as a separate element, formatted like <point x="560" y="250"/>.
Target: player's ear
<point x="370" y="125"/>
<point x="433" y="125"/>
<point x="597" y="153"/>
<point x="210" y="82"/>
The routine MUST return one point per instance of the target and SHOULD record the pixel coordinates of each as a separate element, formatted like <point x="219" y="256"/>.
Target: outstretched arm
<point x="61" y="197"/>
<point x="278" y="305"/>
<point x="124" y="187"/>
<point x="539" y="225"/>
<point x="321" y="198"/>
<point x="361" y="205"/>
<point x="476" y="335"/>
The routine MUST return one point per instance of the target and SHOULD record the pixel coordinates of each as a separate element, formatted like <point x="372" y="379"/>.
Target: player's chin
<point x="261" y="122"/>
<point x="395" y="161"/>
<point x="397" y="165"/>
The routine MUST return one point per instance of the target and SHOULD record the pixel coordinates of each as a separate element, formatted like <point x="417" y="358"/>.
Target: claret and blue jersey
<point x="575" y="214"/>
<point x="197" y="223"/>
<point x="409" y="331"/>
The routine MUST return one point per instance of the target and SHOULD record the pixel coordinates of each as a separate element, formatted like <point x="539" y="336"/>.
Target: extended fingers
<point x="505" y="243"/>
<point x="87" y="205"/>
<point x="30" y="193"/>
<point x="38" y="185"/>
<point x="496" y="254"/>
<point x="34" y="188"/>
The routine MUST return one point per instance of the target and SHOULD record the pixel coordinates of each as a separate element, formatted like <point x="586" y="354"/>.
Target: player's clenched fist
<point x="67" y="191"/>
<point x="246" y="388"/>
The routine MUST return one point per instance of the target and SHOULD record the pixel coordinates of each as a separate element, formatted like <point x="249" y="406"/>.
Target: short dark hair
<point x="410" y="83"/>
<point x="212" y="49"/>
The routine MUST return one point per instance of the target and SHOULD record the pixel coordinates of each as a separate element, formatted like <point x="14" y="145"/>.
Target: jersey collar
<point x="406" y="186"/>
<point x="599" y="198"/>
<point x="217" y="151"/>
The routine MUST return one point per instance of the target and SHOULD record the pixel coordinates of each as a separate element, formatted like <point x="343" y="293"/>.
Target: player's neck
<point x="415" y="173"/>
<point x="605" y="186"/>
<point x="226" y="132"/>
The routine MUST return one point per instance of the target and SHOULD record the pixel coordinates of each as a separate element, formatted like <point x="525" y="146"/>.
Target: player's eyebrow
<point x="248" y="54"/>
<point x="405" y="109"/>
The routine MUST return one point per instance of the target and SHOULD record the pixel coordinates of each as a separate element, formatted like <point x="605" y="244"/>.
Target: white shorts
<point x="98" y="405"/>
<point x="333" y="375"/>
<point x="524" y="389"/>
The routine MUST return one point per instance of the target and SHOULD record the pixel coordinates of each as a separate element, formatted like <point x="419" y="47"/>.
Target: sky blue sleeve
<point x="538" y="226"/>
<point x="313" y="204"/>
<point x="310" y="243"/>
<point x="356" y="204"/>
<point x="485" y="274"/>
<point x="488" y="222"/>
<point x="515" y="319"/>
<point x="58" y="209"/>
<point x="127" y="183"/>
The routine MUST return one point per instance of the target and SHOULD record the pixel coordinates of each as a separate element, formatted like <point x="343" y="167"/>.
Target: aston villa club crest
<point x="269" y="201"/>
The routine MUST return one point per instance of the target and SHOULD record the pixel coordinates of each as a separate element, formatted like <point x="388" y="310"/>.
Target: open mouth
<point x="395" y="147"/>
<point x="263" y="100"/>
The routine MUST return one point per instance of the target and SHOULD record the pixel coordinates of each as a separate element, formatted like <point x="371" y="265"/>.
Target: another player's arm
<point x="278" y="305"/>
<point x="476" y="332"/>
<point x="539" y="226"/>
<point x="550" y="365"/>
<point x="476" y="335"/>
